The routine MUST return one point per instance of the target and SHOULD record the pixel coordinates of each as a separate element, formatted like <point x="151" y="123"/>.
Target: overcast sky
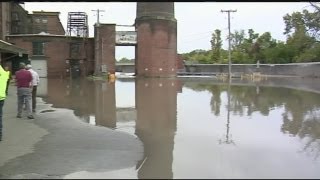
<point x="195" y="20"/>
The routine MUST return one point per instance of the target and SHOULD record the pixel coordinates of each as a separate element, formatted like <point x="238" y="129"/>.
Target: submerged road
<point x="57" y="145"/>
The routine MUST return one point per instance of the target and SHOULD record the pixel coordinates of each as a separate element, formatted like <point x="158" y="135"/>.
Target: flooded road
<point x="203" y="128"/>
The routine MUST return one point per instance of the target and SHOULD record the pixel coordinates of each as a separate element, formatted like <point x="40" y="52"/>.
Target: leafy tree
<point x="302" y="44"/>
<point x="302" y="31"/>
<point x="305" y="21"/>
<point x="125" y="60"/>
<point x="278" y="54"/>
<point x="250" y="45"/>
<point x="216" y="45"/>
<point x="262" y="44"/>
<point x="237" y="39"/>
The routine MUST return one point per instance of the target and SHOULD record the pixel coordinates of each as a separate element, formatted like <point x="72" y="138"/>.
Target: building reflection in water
<point x="156" y="114"/>
<point x="154" y="118"/>
<point x="156" y="104"/>
<point x="105" y="104"/>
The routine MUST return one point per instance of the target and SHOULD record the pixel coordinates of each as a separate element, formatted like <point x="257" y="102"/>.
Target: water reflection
<point x="301" y="117"/>
<point x="155" y="121"/>
<point x="255" y="112"/>
<point x="156" y="104"/>
<point x="228" y="139"/>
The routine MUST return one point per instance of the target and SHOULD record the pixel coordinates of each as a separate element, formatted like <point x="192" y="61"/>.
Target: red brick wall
<point x="89" y="63"/>
<point x="179" y="62"/>
<point x="157" y="48"/>
<point x="105" y="43"/>
<point x="53" y="24"/>
<point x="56" y="53"/>
<point x="21" y="43"/>
<point x="4" y="19"/>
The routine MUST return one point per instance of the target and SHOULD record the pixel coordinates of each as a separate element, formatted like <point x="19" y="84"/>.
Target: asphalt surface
<point x="57" y="145"/>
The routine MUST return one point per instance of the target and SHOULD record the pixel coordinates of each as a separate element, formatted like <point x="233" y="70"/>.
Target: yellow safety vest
<point x="4" y="76"/>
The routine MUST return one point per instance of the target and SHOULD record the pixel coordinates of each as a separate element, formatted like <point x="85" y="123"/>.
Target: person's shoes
<point x="18" y="116"/>
<point x="30" y="117"/>
<point x="33" y="110"/>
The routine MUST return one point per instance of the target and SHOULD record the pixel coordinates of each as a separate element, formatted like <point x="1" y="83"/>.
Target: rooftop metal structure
<point x="77" y="24"/>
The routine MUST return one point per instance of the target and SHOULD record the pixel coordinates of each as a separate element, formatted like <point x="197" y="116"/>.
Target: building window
<point x="37" y="20"/>
<point x="74" y="49"/>
<point x="44" y="21"/>
<point x="38" y="48"/>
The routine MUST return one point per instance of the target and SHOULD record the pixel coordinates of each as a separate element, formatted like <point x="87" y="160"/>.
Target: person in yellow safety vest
<point x="4" y="76"/>
<point x="6" y="68"/>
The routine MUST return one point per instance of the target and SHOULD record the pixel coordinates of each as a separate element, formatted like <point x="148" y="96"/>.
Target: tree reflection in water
<point x="156" y="111"/>
<point x="302" y="109"/>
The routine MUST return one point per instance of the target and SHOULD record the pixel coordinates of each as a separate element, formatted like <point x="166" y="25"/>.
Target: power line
<point x="229" y="39"/>
<point x="98" y="14"/>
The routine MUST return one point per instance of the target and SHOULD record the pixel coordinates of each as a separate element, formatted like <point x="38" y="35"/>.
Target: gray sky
<point x="196" y="20"/>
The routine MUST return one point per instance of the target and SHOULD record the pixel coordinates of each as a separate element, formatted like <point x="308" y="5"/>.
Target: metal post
<point x="229" y="40"/>
<point x="98" y="14"/>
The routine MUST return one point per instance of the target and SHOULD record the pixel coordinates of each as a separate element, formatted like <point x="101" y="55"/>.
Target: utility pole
<point x="229" y="39"/>
<point x="98" y="14"/>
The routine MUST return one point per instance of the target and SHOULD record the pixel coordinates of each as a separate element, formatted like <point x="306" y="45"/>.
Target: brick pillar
<point x="105" y="49"/>
<point x="156" y="39"/>
<point x="180" y="63"/>
<point x="156" y="48"/>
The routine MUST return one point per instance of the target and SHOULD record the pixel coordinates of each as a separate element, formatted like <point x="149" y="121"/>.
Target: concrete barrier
<point x="292" y="69"/>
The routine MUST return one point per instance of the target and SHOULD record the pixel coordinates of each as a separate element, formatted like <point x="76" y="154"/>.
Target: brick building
<point x="44" y="42"/>
<point x="40" y="39"/>
<point x="57" y="55"/>
<point x="9" y="52"/>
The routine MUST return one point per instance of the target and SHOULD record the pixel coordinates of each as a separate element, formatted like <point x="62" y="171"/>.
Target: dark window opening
<point x="38" y="48"/>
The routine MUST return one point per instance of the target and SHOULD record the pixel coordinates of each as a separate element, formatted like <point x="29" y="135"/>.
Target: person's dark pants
<point x="1" y="107"/>
<point x="34" y="95"/>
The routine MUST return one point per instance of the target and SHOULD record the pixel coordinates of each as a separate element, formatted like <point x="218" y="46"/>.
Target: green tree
<point x="302" y="31"/>
<point x="237" y="39"/>
<point x="216" y="45"/>
<point x="280" y="53"/>
<point x="262" y="44"/>
<point x="125" y="60"/>
<point x="308" y="21"/>
<point x="250" y="45"/>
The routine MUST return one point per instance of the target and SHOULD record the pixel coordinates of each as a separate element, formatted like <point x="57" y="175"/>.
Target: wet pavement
<point x="167" y="128"/>
<point x="55" y="144"/>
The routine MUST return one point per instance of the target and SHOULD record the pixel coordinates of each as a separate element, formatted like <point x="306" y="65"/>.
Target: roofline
<point x="6" y="46"/>
<point x="44" y="35"/>
<point x="48" y="13"/>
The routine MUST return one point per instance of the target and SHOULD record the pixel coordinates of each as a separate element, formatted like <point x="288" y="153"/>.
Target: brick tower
<point x="156" y="49"/>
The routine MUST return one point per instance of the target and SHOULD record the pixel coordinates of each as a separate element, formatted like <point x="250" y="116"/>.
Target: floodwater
<point x="204" y="128"/>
